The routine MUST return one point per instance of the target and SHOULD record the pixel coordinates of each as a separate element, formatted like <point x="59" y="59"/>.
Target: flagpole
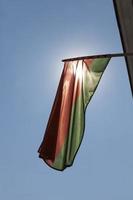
<point x="99" y="56"/>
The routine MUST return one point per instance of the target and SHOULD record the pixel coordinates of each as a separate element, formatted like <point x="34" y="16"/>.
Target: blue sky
<point x="35" y="36"/>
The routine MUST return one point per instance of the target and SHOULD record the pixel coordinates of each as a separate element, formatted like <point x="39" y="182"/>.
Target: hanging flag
<point x="66" y="124"/>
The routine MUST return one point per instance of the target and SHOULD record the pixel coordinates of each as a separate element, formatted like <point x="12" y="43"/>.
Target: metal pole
<point x="99" y="56"/>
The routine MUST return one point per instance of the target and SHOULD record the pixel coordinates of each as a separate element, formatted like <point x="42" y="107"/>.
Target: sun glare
<point x="78" y="69"/>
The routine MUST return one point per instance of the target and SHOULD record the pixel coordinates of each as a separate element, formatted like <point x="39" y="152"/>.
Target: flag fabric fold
<point x="65" y="128"/>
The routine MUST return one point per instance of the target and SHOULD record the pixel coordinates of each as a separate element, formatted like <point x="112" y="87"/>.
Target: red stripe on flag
<point x="69" y="90"/>
<point x="58" y="124"/>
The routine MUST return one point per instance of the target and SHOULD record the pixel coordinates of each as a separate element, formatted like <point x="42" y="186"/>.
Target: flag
<point x="65" y="128"/>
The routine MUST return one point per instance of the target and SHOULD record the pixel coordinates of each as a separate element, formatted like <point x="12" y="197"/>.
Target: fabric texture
<point x="66" y="124"/>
